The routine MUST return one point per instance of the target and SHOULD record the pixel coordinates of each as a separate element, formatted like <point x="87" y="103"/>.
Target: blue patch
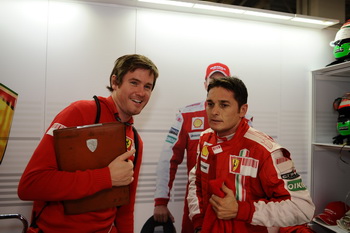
<point x="173" y="131"/>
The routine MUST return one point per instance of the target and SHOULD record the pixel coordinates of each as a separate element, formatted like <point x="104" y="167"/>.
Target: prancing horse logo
<point x="235" y="163"/>
<point x="91" y="144"/>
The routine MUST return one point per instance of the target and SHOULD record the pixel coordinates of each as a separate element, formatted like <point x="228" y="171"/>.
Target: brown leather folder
<point x="91" y="147"/>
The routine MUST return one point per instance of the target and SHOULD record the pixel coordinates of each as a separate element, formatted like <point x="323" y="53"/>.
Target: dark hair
<point x="238" y="88"/>
<point x="131" y="62"/>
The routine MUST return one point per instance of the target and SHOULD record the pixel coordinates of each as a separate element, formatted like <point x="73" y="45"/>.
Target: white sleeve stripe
<point x="193" y="202"/>
<point x="163" y="167"/>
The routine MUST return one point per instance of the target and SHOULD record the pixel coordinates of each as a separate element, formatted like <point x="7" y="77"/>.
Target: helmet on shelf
<point x="341" y="42"/>
<point x="342" y="106"/>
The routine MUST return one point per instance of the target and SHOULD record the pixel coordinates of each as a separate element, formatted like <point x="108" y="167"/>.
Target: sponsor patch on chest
<point x="205" y="152"/>
<point x="197" y="123"/>
<point x="129" y="143"/>
<point x="217" y="149"/>
<point x="194" y="135"/>
<point x="204" y="167"/>
<point x="243" y="166"/>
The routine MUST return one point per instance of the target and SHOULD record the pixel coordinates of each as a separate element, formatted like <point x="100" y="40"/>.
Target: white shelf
<point x="332" y="228"/>
<point x="330" y="145"/>
<point x="340" y="70"/>
<point x="330" y="175"/>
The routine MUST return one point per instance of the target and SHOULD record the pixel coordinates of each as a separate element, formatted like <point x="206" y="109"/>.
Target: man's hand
<point x="121" y="169"/>
<point x="227" y="207"/>
<point x="161" y="214"/>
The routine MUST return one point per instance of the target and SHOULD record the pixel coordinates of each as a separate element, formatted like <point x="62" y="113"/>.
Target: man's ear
<point x="243" y="110"/>
<point x="114" y="83"/>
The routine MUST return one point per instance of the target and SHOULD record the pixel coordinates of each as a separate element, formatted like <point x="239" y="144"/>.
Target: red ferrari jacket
<point x="183" y="136"/>
<point x="260" y="172"/>
<point x="182" y="139"/>
<point x="42" y="182"/>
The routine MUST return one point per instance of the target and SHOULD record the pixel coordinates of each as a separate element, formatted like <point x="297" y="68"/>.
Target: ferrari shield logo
<point x="129" y="144"/>
<point x="245" y="166"/>
<point x="235" y="164"/>
<point x="91" y="144"/>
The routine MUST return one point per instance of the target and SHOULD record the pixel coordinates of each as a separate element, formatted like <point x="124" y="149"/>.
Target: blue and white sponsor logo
<point x="194" y="135"/>
<point x="174" y="131"/>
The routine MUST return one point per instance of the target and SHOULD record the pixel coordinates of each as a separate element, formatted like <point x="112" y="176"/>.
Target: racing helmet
<point x="341" y="42"/>
<point x="342" y="105"/>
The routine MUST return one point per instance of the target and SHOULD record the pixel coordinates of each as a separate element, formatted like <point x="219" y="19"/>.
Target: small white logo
<point x="91" y="144"/>
<point x="205" y="167"/>
<point x="217" y="149"/>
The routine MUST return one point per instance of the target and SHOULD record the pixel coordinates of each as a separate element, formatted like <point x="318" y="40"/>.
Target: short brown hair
<point x="131" y="62"/>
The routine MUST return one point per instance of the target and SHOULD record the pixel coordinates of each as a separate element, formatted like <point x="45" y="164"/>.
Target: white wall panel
<point x="23" y="31"/>
<point x="84" y="40"/>
<point x="23" y="28"/>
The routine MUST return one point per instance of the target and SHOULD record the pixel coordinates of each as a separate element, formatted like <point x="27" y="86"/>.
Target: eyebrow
<point x="138" y="80"/>
<point x="225" y="102"/>
<point x="220" y="101"/>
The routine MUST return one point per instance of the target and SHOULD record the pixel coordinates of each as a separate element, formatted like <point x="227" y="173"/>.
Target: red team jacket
<point x="183" y="135"/>
<point x="268" y="189"/>
<point x="43" y="182"/>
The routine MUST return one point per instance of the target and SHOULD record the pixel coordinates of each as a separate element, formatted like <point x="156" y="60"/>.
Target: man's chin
<point x="215" y="128"/>
<point x="136" y="112"/>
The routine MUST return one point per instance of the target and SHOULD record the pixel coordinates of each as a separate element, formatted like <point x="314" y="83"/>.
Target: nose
<point x="215" y="110"/>
<point x="140" y="91"/>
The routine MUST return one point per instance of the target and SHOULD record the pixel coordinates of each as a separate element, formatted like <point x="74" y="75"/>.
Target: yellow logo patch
<point x="205" y="152"/>
<point x="235" y="163"/>
<point x="128" y="143"/>
<point x="197" y="123"/>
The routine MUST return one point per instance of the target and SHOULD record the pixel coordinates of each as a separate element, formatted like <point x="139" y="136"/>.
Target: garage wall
<point x="55" y="52"/>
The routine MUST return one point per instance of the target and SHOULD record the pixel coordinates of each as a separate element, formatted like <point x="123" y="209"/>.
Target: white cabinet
<point x="330" y="175"/>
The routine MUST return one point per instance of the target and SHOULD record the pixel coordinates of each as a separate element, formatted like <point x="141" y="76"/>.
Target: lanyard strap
<point x="136" y="135"/>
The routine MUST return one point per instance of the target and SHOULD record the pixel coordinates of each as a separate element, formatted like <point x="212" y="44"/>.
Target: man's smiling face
<point x="132" y="95"/>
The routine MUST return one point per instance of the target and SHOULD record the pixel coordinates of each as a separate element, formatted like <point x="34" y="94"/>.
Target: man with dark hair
<point x="131" y="83"/>
<point x="243" y="180"/>
<point x="182" y="139"/>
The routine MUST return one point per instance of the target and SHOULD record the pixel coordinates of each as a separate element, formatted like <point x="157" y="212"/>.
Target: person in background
<point x="183" y="136"/>
<point x="243" y="181"/>
<point x="131" y="83"/>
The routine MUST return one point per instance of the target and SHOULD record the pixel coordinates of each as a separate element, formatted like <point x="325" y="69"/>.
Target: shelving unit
<point x="330" y="175"/>
<point x="332" y="228"/>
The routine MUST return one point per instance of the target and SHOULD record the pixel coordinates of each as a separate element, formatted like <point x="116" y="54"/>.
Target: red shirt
<point x="42" y="182"/>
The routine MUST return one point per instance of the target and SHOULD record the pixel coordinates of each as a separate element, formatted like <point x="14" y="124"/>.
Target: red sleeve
<point x="43" y="181"/>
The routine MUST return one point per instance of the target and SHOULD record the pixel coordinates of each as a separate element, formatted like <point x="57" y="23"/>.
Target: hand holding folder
<point x="122" y="169"/>
<point x="92" y="147"/>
